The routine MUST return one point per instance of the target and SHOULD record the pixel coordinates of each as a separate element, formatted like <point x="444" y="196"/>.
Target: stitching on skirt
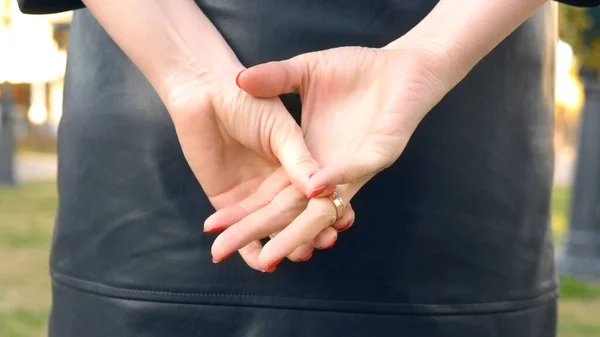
<point x="294" y="302"/>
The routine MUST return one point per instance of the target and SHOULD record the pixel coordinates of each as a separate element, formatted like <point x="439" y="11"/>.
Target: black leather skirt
<point x="453" y="240"/>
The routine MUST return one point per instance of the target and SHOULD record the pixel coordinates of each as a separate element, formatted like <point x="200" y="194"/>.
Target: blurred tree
<point x="581" y="252"/>
<point x="580" y="27"/>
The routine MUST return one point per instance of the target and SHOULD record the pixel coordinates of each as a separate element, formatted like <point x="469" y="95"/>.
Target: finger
<point x="321" y="191"/>
<point x="346" y="221"/>
<point x="260" y="224"/>
<point x="224" y="218"/>
<point x="326" y="239"/>
<point x="250" y="254"/>
<point x="318" y="215"/>
<point x="289" y="147"/>
<point x="275" y="78"/>
<point x="301" y="254"/>
<point x="357" y="169"/>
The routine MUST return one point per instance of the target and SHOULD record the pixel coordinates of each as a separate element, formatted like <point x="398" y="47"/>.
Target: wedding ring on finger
<point x="340" y="207"/>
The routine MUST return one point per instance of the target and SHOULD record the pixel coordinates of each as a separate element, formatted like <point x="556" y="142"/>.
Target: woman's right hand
<point x="244" y="151"/>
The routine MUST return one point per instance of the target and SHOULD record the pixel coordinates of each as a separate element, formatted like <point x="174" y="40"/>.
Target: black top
<point x="54" y="6"/>
<point x="452" y="240"/>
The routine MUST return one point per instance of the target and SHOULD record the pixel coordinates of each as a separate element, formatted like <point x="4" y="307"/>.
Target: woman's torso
<point x="458" y="226"/>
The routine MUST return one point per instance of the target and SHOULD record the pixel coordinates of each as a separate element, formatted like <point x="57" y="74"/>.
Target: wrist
<point x="162" y="41"/>
<point x="435" y="56"/>
<point x="457" y="34"/>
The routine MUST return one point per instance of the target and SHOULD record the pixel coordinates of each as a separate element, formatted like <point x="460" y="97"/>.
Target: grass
<point x="579" y="309"/>
<point x="572" y="289"/>
<point x="560" y="212"/>
<point x="27" y="214"/>
<point x="26" y="217"/>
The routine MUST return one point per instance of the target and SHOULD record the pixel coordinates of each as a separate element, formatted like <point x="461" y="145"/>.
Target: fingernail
<point x="224" y="258"/>
<point x="331" y="244"/>
<point x="317" y="192"/>
<point x="345" y="226"/>
<point x="237" y="78"/>
<point x="306" y="259"/>
<point x="269" y="270"/>
<point x="272" y="267"/>
<point x="214" y="230"/>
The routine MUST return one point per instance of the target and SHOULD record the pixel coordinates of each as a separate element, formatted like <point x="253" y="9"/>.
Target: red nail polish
<point x="272" y="267"/>
<point x="331" y="244"/>
<point x="237" y="78"/>
<point x="214" y="230"/>
<point x="224" y="258"/>
<point x="345" y="226"/>
<point x="306" y="259"/>
<point x="317" y="192"/>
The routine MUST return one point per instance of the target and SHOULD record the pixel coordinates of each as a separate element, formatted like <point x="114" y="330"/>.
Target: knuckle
<point x="289" y="204"/>
<point x="305" y="160"/>
<point x="234" y="238"/>
<point x="324" y="211"/>
<point x="256" y="202"/>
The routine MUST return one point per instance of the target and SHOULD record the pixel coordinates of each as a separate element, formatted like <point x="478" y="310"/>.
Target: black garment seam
<point x="314" y="304"/>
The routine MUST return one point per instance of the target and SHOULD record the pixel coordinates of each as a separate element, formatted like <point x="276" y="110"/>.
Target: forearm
<point x="170" y="41"/>
<point x="459" y="33"/>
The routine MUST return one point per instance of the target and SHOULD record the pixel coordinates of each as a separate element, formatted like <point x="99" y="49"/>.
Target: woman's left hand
<point x="360" y="106"/>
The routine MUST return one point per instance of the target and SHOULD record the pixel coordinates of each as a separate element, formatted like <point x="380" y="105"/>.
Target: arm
<point x="161" y="38"/>
<point x="360" y="106"/>
<point x="459" y="33"/>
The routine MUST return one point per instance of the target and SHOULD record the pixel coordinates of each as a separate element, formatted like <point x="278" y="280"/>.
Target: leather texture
<point x="452" y="240"/>
<point x="54" y="6"/>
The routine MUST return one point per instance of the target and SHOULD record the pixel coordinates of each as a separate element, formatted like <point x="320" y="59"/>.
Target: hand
<point x="360" y="107"/>
<point x="244" y="151"/>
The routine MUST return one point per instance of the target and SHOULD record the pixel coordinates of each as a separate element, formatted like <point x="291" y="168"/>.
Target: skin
<point x="254" y="147"/>
<point x="219" y="123"/>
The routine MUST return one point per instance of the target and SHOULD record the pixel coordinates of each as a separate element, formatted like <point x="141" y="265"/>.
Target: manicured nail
<point x="306" y="259"/>
<point x="331" y="244"/>
<point x="272" y="267"/>
<point x="345" y="226"/>
<point x="269" y="270"/>
<point x="224" y="258"/>
<point x="317" y="191"/>
<point x="237" y="78"/>
<point x="214" y="230"/>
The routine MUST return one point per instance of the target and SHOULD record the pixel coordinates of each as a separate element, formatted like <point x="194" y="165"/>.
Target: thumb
<point x="288" y="145"/>
<point x="275" y="78"/>
<point x="356" y="169"/>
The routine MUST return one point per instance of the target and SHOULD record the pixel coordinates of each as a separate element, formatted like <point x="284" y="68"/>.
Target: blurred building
<point x="32" y="60"/>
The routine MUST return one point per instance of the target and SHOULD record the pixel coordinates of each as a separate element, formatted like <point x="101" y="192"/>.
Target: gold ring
<point x="338" y="202"/>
